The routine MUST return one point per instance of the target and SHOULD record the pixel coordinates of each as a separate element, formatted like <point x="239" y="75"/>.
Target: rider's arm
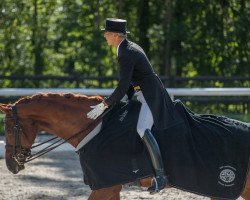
<point x="126" y="71"/>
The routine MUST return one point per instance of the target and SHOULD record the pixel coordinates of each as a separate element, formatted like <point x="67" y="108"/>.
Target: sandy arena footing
<point x="58" y="176"/>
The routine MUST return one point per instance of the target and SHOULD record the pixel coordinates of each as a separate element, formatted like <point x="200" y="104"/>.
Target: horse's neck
<point x="61" y="119"/>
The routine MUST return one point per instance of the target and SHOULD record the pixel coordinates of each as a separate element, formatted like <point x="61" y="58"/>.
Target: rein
<point x="23" y="155"/>
<point x="53" y="145"/>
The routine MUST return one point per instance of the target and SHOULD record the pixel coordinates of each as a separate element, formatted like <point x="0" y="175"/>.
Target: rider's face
<point x="110" y="38"/>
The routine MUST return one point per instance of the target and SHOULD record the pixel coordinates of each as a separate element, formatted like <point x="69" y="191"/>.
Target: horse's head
<point x="20" y="134"/>
<point x="60" y="114"/>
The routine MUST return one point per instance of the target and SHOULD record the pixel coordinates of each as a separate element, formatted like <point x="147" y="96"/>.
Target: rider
<point x="156" y="108"/>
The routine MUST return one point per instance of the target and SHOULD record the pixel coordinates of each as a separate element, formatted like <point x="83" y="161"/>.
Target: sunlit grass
<point x="1" y="123"/>
<point x="244" y="118"/>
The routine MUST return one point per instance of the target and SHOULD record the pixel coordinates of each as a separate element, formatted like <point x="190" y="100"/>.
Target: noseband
<point x="19" y="153"/>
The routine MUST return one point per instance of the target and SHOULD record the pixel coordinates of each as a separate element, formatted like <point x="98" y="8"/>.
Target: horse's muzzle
<point x="13" y="165"/>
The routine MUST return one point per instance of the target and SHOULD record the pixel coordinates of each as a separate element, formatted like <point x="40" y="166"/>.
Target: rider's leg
<point x="144" y="126"/>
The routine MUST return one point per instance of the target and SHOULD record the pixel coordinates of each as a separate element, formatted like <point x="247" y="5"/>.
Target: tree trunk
<point x="167" y="41"/>
<point x="143" y="25"/>
<point x="36" y="42"/>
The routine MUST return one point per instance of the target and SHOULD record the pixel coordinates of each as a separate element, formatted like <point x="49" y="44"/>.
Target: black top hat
<point x="116" y="25"/>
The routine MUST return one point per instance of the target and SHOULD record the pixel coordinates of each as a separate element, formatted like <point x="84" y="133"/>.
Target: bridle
<point x="19" y="153"/>
<point x="23" y="155"/>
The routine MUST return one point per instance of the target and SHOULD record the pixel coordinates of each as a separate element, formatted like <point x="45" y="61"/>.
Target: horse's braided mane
<point x="63" y="96"/>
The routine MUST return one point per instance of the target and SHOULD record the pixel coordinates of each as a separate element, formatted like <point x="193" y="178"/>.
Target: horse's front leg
<point x="110" y="193"/>
<point x="246" y="192"/>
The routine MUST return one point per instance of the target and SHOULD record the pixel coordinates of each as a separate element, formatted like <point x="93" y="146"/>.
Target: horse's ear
<point x="5" y="108"/>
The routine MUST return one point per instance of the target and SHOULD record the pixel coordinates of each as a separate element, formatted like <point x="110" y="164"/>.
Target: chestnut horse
<point x="60" y="114"/>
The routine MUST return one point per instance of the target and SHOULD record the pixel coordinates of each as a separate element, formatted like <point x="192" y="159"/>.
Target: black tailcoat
<point x="136" y="69"/>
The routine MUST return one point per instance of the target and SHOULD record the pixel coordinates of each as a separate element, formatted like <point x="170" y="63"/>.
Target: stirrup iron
<point x="158" y="183"/>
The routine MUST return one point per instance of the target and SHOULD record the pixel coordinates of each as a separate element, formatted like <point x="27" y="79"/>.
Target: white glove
<point x="140" y="97"/>
<point x="96" y="111"/>
<point x="125" y="98"/>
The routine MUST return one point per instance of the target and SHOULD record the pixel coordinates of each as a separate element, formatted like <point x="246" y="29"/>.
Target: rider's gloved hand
<point x="97" y="110"/>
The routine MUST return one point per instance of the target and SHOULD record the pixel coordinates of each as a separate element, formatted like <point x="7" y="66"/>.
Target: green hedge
<point x="1" y="123"/>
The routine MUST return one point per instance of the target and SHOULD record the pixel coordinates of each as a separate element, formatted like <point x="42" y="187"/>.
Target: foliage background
<point x="182" y="38"/>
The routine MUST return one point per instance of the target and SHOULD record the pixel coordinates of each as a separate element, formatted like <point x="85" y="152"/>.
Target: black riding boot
<point x="160" y="179"/>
